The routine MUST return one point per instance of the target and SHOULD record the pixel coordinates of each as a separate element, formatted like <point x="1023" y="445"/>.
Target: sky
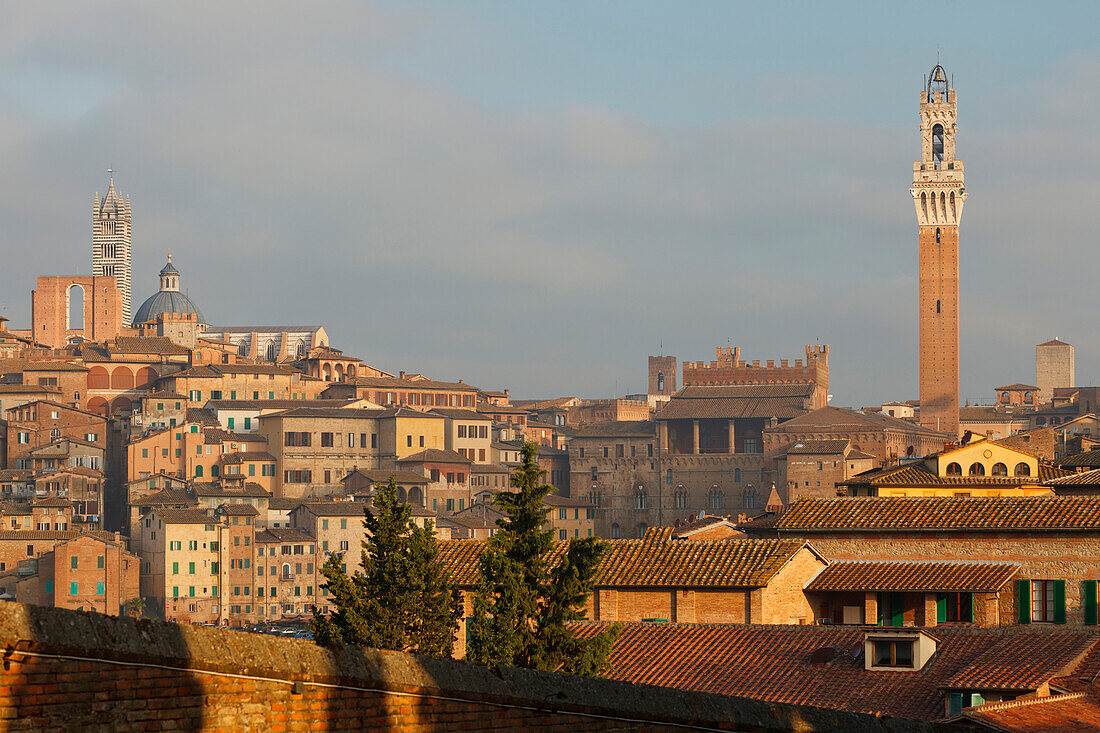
<point x="540" y="195"/>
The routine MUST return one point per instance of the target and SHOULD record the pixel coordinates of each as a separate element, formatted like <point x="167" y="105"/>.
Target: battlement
<point x="729" y="368"/>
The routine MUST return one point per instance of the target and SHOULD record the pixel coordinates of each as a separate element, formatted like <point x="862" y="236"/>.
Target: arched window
<point x="954" y="469"/>
<point x="737" y="475"/>
<point x="1005" y="397"/>
<point x="680" y="498"/>
<point x="55" y="434"/>
<point x="937" y="145"/>
<point x="1022" y="469"/>
<point x="1000" y="469"/>
<point x="977" y="469"/>
<point x="1027" y="397"/>
<point x="198" y="471"/>
<point x="595" y="473"/>
<point x="748" y="497"/>
<point x="642" y="529"/>
<point x="640" y="499"/>
<point x="1040" y="421"/>
<point x="401" y="495"/>
<point x="714" y="497"/>
<point x="937" y="306"/>
<point x="660" y="382"/>
<point x="416" y="496"/>
<point x="668" y="477"/>
<point x="615" y="531"/>
<point x="937" y="235"/>
<point x="75" y="298"/>
<point x="286" y="570"/>
<point x="214" y="471"/>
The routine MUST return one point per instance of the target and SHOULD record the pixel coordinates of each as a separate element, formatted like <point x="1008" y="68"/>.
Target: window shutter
<point x="1088" y="601"/>
<point x="897" y="609"/>
<point x="941" y="608"/>
<point x="967" y="607"/>
<point x="1023" y="600"/>
<point x="1059" y="601"/>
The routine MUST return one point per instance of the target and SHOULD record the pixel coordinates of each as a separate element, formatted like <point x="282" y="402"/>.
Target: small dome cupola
<point x="169" y="277"/>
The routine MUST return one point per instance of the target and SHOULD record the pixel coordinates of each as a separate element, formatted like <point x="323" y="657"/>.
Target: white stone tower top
<point x="111" y="253"/>
<point x="938" y="190"/>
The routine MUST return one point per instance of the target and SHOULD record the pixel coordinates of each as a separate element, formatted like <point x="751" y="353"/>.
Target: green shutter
<point x="897" y="609"/>
<point x="1023" y="601"/>
<point x="941" y="608"/>
<point x="1088" y="601"/>
<point x="1059" y="601"/>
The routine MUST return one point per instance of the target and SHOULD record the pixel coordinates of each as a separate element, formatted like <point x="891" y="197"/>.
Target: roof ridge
<point x="1007" y="704"/>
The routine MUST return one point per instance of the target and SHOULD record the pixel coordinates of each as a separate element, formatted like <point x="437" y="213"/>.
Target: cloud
<point x="299" y="176"/>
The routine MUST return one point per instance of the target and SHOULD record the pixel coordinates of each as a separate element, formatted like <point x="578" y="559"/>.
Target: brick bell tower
<point x="938" y="194"/>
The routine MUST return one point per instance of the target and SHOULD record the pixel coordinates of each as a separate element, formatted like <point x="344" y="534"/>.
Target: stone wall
<point x="65" y="670"/>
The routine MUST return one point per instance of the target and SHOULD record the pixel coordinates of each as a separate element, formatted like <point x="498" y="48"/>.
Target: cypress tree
<point x="401" y="598"/>
<point x="522" y="606"/>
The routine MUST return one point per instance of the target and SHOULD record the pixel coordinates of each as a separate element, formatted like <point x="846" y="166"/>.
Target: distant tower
<point x="938" y="193"/>
<point x="111" y="242"/>
<point x="1054" y="367"/>
<point x="662" y="378"/>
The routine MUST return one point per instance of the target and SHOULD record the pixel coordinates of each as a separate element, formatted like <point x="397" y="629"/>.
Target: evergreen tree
<point x="522" y="606"/>
<point x="401" y="599"/>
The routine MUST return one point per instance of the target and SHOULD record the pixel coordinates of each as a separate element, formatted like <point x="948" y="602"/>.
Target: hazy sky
<point x="536" y="195"/>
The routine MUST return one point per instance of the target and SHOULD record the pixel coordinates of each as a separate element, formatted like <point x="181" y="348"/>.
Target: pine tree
<point x="522" y="606"/>
<point x="401" y="599"/>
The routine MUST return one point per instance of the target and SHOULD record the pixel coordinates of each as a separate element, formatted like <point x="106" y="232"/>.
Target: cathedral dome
<point x="168" y="300"/>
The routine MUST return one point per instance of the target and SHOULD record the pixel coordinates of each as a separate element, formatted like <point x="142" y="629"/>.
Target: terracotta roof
<point x="241" y="457"/>
<point x="861" y="575"/>
<point x="1089" y="459"/>
<point x="556" y="500"/>
<point x="213" y="436"/>
<point x="378" y="476"/>
<point x="282" y="534"/>
<point x="28" y="388"/>
<point x="1073" y="713"/>
<point x="839" y="418"/>
<point x="773" y="663"/>
<point x="1016" y="387"/>
<point x="1022" y="662"/>
<point x="279" y="503"/>
<point x="412" y="385"/>
<point x="166" y="497"/>
<point x="249" y="490"/>
<point x="942" y="513"/>
<point x="818" y="447"/>
<point x="146" y="345"/>
<point x="1085" y="478"/>
<point x="335" y="508"/>
<point x="737" y="401"/>
<point x="489" y="468"/>
<point x="185" y="516"/>
<point x="619" y="429"/>
<point x="918" y="474"/>
<point x="200" y="415"/>
<point x="459" y="414"/>
<point x="658" y="563"/>
<point x="53" y="366"/>
<point x="238" y="510"/>
<point x="1054" y="342"/>
<point x="273" y="404"/>
<point x="435" y="455"/>
<point x="52" y="501"/>
<point x="53" y="534"/>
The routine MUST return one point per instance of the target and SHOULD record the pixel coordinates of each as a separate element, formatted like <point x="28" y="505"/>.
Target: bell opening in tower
<point x="937" y="145"/>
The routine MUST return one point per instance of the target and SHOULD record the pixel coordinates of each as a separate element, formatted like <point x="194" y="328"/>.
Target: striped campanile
<point x="111" y="242"/>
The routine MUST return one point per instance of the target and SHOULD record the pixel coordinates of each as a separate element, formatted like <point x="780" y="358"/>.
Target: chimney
<point x="401" y="375"/>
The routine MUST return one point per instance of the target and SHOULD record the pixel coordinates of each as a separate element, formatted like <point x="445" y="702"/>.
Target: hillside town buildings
<point x="158" y="464"/>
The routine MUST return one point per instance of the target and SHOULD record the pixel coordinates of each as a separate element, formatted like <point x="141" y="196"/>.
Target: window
<point x="615" y="533"/>
<point x="937" y="150"/>
<point x="748" y="497"/>
<point x="73" y="588"/>
<point x="74" y="562"/>
<point x="562" y="534"/>
<point x="977" y="469"/>
<point x="956" y="701"/>
<point x="99" y="588"/>
<point x="1022" y="469"/>
<point x="640" y="498"/>
<point x="999" y="469"/>
<point x="99" y="562"/>
<point x="680" y="498"/>
<point x="893" y="653"/>
<point x="954" y="607"/>
<point x="954" y="469"/>
<point x="1048" y="601"/>
<point x="937" y="235"/>
<point x="714" y="497"/>
<point x="326" y="440"/>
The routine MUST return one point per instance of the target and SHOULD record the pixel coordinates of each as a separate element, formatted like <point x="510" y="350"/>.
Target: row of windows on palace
<point x="999" y="469"/>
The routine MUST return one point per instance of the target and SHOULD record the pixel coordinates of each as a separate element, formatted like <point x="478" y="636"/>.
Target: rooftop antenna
<point x="111" y="175"/>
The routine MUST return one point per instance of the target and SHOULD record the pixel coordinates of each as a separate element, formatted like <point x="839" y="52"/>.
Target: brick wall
<point x="65" y="670"/>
